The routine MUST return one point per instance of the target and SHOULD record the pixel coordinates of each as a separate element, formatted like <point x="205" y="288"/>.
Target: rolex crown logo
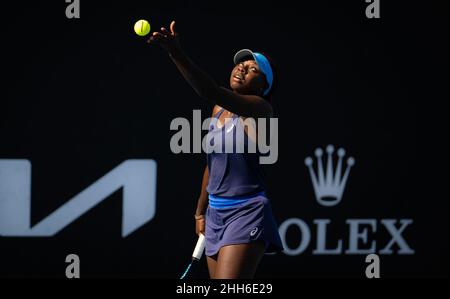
<point x="329" y="183"/>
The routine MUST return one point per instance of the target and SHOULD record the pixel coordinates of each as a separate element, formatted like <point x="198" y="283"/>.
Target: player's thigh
<point x="212" y="263"/>
<point x="238" y="261"/>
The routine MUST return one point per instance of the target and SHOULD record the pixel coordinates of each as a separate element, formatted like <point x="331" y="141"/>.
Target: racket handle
<point x="199" y="247"/>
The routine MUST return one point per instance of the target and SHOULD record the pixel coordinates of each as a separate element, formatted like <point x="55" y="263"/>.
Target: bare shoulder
<point x="216" y="110"/>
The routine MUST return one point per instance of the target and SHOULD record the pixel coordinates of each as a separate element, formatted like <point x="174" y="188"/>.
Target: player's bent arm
<point x="202" y="205"/>
<point x="204" y="85"/>
<point x="202" y="202"/>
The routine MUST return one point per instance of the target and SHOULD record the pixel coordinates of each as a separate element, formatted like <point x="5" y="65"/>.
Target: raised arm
<point x="204" y="85"/>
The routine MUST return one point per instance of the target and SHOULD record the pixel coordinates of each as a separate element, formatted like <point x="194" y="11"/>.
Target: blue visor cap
<point x="261" y="61"/>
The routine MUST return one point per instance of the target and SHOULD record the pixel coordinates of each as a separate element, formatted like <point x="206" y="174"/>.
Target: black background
<point x="82" y="95"/>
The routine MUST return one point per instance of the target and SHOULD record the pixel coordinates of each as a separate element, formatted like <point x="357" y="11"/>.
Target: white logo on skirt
<point x="254" y="231"/>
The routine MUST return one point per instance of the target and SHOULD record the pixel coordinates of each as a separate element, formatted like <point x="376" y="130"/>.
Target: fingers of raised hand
<point x="172" y="28"/>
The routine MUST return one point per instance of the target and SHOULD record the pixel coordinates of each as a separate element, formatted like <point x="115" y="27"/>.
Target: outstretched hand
<point x="168" y="40"/>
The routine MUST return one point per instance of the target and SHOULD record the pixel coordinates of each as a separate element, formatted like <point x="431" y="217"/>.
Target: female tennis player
<point x="233" y="210"/>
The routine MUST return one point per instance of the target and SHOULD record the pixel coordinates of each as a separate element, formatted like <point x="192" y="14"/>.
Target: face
<point x="247" y="78"/>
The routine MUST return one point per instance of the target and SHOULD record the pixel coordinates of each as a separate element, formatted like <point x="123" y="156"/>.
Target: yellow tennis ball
<point x="142" y="27"/>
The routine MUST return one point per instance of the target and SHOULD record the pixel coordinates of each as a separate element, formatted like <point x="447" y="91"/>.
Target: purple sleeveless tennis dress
<point x="239" y="211"/>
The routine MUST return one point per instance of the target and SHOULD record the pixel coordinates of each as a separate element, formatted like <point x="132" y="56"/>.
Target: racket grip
<point x="199" y="247"/>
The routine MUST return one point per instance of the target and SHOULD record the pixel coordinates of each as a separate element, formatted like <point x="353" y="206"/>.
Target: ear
<point x="261" y="91"/>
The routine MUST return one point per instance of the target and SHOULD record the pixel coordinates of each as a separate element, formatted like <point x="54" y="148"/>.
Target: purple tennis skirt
<point x="249" y="221"/>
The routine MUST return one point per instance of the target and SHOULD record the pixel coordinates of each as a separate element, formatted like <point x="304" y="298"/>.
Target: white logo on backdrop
<point x="136" y="177"/>
<point x="329" y="183"/>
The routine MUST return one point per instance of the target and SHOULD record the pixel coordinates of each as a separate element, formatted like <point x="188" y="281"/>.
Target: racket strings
<point x="187" y="270"/>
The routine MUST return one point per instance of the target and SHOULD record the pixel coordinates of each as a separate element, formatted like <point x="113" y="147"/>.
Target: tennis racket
<point x="196" y="255"/>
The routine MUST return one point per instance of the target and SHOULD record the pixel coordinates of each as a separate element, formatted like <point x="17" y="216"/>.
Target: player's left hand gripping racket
<point x="196" y="255"/>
